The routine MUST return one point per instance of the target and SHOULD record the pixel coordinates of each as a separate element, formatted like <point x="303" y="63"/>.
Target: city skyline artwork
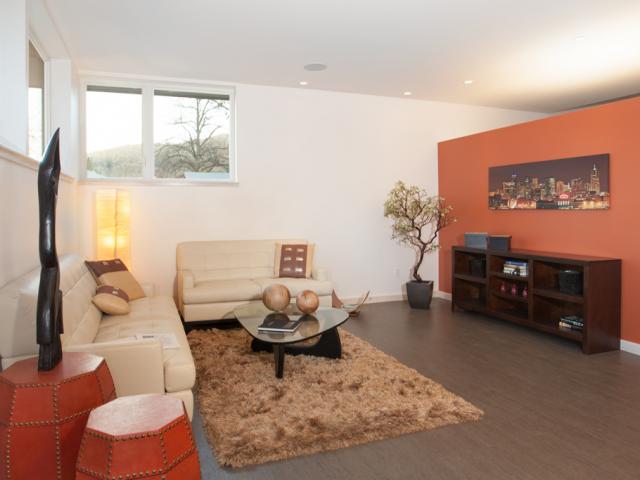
<point x="579" y="183"/>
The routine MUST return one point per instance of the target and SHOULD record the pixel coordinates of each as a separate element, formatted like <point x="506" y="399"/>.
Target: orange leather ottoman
<point x="43" y="414"/>
<point x="141" y="436"/>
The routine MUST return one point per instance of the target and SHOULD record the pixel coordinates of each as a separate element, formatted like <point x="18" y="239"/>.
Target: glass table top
<point x="251" y="316"/>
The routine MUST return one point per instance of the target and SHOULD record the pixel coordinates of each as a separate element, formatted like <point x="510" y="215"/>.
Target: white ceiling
<point x="538" y="55"/>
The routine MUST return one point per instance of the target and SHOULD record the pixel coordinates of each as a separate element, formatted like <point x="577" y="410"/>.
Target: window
<point x="150" y="133"/>
<point x="191" y="135"/>
<point x="36" y="103"/>
<point x="114" y="132"/>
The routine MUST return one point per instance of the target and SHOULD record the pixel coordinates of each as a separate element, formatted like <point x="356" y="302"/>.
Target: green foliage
<point x="125" y="161"/>
<point x="417" y="219"/>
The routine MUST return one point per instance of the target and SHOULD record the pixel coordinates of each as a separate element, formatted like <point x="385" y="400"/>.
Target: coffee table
<point x="322" y="323"/>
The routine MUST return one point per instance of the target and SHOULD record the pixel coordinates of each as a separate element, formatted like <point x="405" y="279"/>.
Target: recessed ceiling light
<point x="579" y="38"/>
<point x="407" y="93"/>
<point x="304" y="83"/>
<point x="315" y="67"/>
<point x="468" y="82"/>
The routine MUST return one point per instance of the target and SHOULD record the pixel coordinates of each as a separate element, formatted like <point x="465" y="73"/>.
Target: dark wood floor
<point x="550" y="411"/>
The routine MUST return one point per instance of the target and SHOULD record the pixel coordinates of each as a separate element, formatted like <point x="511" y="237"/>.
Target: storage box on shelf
<point x="531" y="294"/>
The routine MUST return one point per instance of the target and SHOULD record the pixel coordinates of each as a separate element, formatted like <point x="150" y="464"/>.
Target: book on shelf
<point x="278" y="323"/>
<point x="573" y="320"/>
<point x="516" y="267"/>
<point x="569" y="326"/>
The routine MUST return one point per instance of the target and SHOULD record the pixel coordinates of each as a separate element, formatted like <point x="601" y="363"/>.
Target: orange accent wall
<point x="612" y="128"/>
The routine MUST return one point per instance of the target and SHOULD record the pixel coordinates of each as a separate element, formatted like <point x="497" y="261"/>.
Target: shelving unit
<point x="544" y="304"/>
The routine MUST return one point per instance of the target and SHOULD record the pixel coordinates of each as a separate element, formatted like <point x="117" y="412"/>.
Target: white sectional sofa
<point x="137" y="366"/>
<point x="214" y="277"/>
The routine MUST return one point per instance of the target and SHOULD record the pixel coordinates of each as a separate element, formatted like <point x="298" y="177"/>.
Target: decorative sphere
<point x="307" y="301"/>
<point x="276" y="297"/>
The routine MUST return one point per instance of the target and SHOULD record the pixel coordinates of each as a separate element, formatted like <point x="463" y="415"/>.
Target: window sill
<point x="157" y="182"/>
<point x="27" y="162"/>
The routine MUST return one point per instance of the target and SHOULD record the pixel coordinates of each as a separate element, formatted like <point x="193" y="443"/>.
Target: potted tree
<point x="417" y="220"/>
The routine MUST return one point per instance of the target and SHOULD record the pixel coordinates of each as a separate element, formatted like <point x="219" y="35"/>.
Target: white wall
<point x="312" y="164"/>
<point x="19" y="216"/>
<point x="13" y="74"/>
<point x="18" y="176"/>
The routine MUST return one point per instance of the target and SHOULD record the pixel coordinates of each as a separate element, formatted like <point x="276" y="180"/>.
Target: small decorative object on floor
<point x="141" y="436"/>
<point x="353" y="309"/>
<point x="276" y="297"/>
<point x="417" y="220"/>
<point x="307" y="301"/>
<point x="43" y="414"/>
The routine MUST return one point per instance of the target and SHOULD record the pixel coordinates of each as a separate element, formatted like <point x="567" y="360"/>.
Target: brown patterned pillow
<point x="293" y="260"/>
<point x="112" y="300"/>
<point x="114" y="273"/>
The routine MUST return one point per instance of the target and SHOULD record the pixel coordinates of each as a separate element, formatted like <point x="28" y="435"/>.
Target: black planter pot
<point x="419" y="294"/>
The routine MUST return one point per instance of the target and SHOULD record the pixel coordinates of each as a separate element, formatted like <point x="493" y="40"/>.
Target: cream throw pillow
<point x="112" y="300"/>
<point x="114" y="273"/>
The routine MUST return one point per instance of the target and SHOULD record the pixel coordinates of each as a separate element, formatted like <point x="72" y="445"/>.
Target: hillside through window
<point x="114" y="132"/>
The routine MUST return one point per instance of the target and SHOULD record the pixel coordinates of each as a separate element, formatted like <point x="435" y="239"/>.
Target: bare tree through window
<point x="192" y="136"/>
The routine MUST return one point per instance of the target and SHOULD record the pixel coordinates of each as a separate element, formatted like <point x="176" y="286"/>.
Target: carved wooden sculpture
<point x="49" y="313"/>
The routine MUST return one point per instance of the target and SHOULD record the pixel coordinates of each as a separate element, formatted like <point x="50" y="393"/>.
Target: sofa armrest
<point x="149" y="289"/>
<point x="186" y="279"/>
<point x="136" y="366"/>
<point x="320" y="274"/>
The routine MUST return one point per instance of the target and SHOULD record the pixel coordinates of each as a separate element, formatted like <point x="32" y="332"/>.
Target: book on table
<point x="278" y="323"/>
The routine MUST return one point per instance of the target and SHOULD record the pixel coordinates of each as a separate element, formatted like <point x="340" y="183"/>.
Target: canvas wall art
<point x="580" y="183"/>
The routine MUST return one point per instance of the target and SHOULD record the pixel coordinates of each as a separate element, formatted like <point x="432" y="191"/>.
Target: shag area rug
<point x="321" y="404"/>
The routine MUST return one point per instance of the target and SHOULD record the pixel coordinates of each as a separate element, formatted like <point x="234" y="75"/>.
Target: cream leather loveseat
<point x="216" y="276"/>
<point x="137" y="366"/>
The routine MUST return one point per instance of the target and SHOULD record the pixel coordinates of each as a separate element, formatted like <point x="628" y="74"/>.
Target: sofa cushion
<point x="155" y="315"/>
<point x="18" y="305"/>
<point x="228" y="259"/>
<point x="223" y="291"/>
<point x="297" y="285"/>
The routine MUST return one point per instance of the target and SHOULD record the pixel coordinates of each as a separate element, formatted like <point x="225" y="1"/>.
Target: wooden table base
<point x="328" y="345"/>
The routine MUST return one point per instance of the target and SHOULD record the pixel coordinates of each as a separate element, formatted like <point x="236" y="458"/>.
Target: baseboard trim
<point x="630" y="347"/>
<point x="442" y="295"/>
<point x="394" y="297"/>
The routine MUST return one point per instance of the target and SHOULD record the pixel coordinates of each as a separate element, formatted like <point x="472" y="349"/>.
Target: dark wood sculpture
<point x="49" y="313"/>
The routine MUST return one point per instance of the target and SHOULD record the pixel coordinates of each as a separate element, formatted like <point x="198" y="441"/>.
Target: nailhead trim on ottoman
<point x="139" y="437"/>
<point x="43" y="414"/>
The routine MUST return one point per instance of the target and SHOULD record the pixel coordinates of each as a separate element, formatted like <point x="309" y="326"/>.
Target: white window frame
<point x="46" y="92"/>
<point x="148" y="86"/>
